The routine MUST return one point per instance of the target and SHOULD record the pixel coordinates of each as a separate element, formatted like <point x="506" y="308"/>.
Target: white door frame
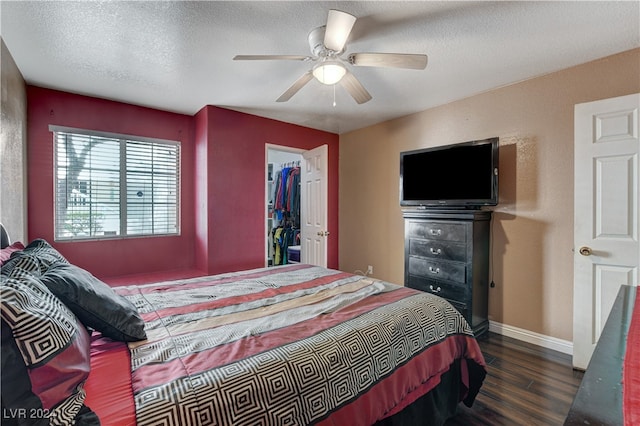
<point x="274" y="147"/>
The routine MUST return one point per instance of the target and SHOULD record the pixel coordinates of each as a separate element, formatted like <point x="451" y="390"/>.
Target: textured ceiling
<point x="177" y="56"/>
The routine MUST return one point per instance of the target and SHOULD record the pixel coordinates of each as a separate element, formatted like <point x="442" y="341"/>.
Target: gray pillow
<point x="95" y="303"/>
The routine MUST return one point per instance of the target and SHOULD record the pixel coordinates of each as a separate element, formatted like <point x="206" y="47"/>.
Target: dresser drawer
<point x="451" y="271"/>
<point x="437" y="230"/>
<point x="438" y="249"/>
<point x="450" y="292"/>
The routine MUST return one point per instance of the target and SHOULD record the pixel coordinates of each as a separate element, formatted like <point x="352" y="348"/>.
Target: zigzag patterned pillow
<point x="45" y="253"/>
<point x="54" y="346"/>
<point x="35" y="259"/>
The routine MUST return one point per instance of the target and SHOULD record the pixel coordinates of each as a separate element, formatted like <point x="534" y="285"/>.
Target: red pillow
<point x="5" y="253"/>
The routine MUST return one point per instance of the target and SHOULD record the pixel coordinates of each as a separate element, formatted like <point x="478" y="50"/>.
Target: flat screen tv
<point x="463" y="175"/>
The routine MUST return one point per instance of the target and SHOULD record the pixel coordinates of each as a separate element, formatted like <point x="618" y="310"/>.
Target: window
<point x="115" y="186"/>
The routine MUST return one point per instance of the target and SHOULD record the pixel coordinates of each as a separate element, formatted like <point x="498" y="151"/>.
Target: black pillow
<point x="95" y="303"/>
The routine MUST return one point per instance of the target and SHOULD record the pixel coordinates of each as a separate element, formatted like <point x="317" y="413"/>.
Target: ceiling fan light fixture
<point x="327" y="43"/>
<point x="329" y="72"/>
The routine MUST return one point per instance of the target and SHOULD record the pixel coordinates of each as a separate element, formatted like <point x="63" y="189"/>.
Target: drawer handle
<point x="435" y="251"/>
<point x="435" y="290"/>
<point x="435" y="231"/>
<point x="434" y="270"/>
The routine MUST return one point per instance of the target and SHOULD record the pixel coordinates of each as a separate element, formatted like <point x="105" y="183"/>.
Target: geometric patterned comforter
<point x="290" y="345"/>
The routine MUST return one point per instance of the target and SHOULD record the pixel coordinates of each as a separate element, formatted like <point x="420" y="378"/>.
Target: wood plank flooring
<point x="525" y="385"/>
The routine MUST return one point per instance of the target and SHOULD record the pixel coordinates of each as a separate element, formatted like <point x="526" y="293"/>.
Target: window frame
<point x="123" y="205"/>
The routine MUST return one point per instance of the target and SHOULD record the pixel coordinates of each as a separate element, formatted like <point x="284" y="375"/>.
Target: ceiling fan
<point x="327" y="43"/>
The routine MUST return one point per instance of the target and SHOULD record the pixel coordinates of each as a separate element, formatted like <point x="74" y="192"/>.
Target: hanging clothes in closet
<point x="286" y="205"/>
<point x="286" y="195"/>
<point x="283" y="237"/>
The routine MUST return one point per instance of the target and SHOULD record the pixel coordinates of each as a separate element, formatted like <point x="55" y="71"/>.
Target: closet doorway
<point x="283" y="201"/>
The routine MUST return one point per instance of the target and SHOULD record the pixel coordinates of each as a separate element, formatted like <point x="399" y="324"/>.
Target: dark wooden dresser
<point x="446" y="252"/>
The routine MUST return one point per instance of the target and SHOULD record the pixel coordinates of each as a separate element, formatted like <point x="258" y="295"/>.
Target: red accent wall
<point x="222" y="184"/>
<point x="202" y="236"/>
<point x="235" y="212"/>
<point x="108" y="257"/>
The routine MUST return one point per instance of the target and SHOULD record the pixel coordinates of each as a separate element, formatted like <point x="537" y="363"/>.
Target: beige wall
<point x="13" y="136"/>
<point x="533" y="224"/>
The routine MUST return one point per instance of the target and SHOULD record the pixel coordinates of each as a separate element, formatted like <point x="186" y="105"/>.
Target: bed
<point x="288" y="345"/>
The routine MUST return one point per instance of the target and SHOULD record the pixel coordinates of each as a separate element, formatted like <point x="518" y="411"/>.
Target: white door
<point x="313" y="208"/>
<point x="606" y="214"/>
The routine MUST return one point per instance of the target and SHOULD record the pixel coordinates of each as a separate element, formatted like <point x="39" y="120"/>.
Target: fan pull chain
<point x="334" y="95"/>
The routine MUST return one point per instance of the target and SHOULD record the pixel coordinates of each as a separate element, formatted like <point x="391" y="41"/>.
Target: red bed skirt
<point x="631" y="370"/>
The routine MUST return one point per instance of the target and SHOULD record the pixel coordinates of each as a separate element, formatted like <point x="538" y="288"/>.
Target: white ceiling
<point x="177" y="56"/>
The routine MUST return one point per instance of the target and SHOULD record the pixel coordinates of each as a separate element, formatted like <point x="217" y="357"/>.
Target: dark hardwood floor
<point x="525" y="385"/>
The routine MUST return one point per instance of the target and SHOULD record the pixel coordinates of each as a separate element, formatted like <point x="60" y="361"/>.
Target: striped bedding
<point x="290" y="345"/>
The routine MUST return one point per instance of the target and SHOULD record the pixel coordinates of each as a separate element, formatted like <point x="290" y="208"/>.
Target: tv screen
<point x="463" y="175"/>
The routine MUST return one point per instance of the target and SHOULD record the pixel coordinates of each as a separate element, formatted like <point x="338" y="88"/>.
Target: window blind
<point x="115" y="186"/>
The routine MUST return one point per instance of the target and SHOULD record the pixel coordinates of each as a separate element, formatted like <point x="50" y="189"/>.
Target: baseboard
<point x="548" y="342"/>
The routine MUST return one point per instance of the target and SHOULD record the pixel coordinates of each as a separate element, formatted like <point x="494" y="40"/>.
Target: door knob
<point x="585" y="251"/>
<point x="323" y="233"/>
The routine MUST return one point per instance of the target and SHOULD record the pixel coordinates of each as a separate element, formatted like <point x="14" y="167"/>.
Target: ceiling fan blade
<point x="339" y="25"/>
<point x="269" y="57"/>
<point x="394" y="60"/>
<point x="355" y="89"/>
<point x="304" y="79"/>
